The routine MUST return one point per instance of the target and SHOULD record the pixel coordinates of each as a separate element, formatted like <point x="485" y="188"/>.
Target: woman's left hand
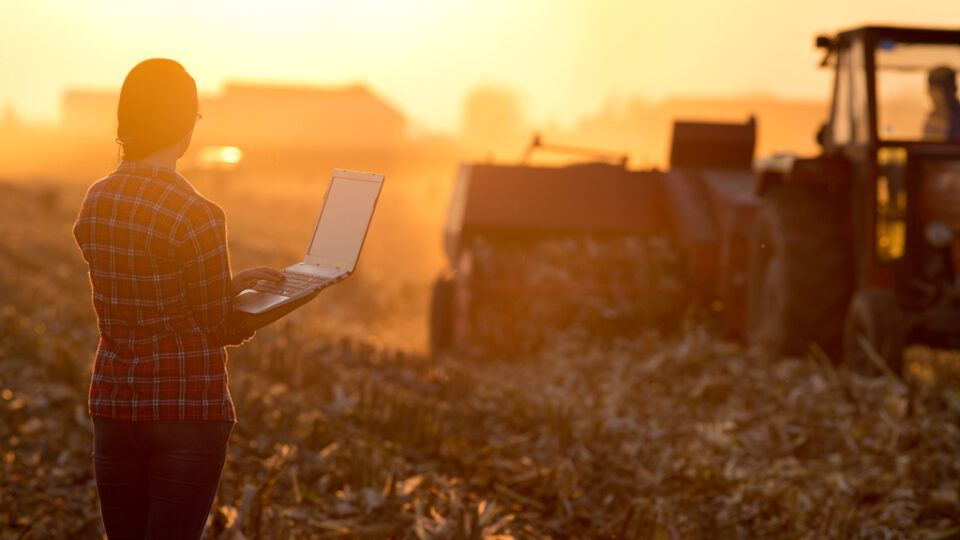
<point x="246" y="279"/>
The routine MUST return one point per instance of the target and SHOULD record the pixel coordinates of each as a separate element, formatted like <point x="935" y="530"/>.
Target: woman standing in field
<point x="163" y="294"/>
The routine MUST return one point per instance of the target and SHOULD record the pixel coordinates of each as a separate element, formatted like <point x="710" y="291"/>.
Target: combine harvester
<point x="853" y="250"/>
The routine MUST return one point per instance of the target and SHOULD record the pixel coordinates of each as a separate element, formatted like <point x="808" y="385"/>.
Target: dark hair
<point x="158" y="106"/>
<point x="943" y="77"/>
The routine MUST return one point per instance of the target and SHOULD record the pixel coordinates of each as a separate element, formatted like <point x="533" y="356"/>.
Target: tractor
<point x="853" y="250"/>
<point x="856" y="249"/>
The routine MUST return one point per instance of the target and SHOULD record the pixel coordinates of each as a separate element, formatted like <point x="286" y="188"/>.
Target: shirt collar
<point x="153" y="171"/>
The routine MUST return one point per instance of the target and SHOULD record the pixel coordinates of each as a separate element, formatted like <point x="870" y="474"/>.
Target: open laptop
<point x="334" y="246"/>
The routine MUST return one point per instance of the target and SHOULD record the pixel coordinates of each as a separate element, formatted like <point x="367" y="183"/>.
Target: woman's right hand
<point x="246" y="279"/>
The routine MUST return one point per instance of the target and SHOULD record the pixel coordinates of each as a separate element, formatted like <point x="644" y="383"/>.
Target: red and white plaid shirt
<point x="157" y="252"/>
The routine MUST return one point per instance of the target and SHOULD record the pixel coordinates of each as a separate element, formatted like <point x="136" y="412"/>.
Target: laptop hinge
<point x="303" y="268"/>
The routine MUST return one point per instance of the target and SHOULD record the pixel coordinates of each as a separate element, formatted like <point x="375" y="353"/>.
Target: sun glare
<point x="220" y="156"/>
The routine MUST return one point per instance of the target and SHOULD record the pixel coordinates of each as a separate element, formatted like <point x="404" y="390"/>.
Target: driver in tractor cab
<point x="943" y="122"/>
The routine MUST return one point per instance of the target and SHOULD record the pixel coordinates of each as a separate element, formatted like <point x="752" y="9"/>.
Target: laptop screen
<point x="344" y="218"/>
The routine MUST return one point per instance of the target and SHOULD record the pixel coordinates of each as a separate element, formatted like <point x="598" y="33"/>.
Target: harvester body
<point x="704" y="204"/>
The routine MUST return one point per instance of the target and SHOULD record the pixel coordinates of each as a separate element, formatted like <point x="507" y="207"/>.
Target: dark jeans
<point x="157" y="479"/>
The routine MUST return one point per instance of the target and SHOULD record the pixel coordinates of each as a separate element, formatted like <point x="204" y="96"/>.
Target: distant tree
<point x="492" y="120"/>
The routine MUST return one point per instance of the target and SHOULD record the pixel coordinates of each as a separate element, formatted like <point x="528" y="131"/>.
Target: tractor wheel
<point x="801" y="271"/>
<point x="874" y="320"/>
<point x="441" y="315"/>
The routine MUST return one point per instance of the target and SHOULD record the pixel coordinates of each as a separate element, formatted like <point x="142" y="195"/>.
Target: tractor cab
<point x="895" y="118"/>
<point x="887" y="192"/>
<point x="892" y="86"/>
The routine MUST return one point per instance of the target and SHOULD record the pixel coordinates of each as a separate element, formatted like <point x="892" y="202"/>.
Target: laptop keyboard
<point x="293" y="284"/>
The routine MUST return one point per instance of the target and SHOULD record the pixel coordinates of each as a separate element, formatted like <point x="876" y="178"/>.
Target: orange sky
<point x="566" y="58"/>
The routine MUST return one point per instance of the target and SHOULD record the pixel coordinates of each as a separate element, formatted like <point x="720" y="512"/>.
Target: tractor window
<point x="906" y="108"/>
<point x="850" y="123"/>
<point x="892" y="55"/>
<point x="902" y="105"/>
<point x="841" y="129"/>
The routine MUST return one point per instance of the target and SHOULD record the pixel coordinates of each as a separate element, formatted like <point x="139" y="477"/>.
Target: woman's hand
<point x="259" y="320"/>
<point x="246" y="279"/>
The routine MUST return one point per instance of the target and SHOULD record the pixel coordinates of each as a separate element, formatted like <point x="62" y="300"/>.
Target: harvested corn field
<point x="630" y="436"/>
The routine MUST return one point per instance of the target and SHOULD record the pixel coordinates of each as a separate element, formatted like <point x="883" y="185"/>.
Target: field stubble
<point x="346" y="430"/>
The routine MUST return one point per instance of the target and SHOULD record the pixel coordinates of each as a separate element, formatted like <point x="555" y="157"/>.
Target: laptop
<point x="334" y="246"/>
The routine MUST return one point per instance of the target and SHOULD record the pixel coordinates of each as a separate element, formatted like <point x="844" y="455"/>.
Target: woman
<point x="163" y="294"/>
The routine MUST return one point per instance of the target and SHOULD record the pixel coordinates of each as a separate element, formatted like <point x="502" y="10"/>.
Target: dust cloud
<point x="265" y="153"/>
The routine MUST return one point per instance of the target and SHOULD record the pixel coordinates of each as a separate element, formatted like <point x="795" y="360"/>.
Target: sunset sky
<point x="565" y="58"/>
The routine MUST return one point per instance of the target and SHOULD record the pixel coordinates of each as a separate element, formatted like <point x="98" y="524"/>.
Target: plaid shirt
<point x="157" y="252"/>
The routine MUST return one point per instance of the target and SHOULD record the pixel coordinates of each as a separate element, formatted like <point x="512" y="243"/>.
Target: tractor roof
<point x="897" y="33"/>
<point x="900" y="48"/>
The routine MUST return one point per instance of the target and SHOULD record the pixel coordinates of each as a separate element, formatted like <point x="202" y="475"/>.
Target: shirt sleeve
<point x="206" y="270"/>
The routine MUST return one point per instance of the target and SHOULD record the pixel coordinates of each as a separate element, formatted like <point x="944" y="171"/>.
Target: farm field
<point x="348" y="430"/>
